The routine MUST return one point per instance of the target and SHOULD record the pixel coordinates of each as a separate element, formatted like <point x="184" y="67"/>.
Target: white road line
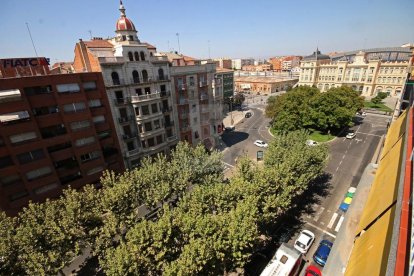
<point x="339" y="224"/>
<point x="331" y="222"/>
<point x="318" y="214"/>
<point x="320" y="229"/>
<point x="369" y="134"/>
<point x="228" y="164"/>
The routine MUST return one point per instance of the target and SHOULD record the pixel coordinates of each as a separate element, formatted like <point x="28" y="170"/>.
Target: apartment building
<point x="226" y="77"/>
<point x="138" y="85"/>
<point x="238" y="63"/>
<point x="223" y="63"/>
<point x="199" y="99"/>
<point x="56" y="130"/>
<point x="263" y="85"/>
<point x="368" y="71"/>
<point x="264" y="67"/>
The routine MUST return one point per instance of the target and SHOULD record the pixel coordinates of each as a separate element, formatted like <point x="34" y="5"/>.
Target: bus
<point x="285" y="262"/>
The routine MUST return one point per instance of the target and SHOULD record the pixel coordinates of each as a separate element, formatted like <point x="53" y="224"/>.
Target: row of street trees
<point x="306" y="107"/>
<point x="205" y="225"/>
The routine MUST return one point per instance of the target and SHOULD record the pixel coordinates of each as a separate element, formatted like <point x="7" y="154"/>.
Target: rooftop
<point x="261" y="79"/>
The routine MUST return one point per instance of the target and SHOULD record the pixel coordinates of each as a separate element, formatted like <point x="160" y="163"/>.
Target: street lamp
<point x="231" y="114"/>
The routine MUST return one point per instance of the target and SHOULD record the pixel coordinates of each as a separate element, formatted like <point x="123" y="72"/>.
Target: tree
<point x="376" y="100"/>
<point x="382" y="95"/>
<point x="9" y="252"/>
<point x="238" y="99"/>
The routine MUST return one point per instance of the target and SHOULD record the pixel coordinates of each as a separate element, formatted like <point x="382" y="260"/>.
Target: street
<point x="348" y="158"/>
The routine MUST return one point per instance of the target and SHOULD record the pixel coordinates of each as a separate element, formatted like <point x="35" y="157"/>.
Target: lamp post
<point x="231" y="112"/>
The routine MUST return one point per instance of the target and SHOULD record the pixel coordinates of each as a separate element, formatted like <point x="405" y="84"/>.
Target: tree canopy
<point x="305" y="107"/>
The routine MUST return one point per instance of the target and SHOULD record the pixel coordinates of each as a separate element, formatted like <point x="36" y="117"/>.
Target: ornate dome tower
<point x="125" y="29"/>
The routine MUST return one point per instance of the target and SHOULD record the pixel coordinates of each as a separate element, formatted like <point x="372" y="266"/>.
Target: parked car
<point x="311" y="143"/>
<point x="261" y="144"/>
<point x="322" y="253"/>
<point x="248" y="115"/>
<point x="361" y="113"/>
<point x="304" y="241"/>
<point x="313" y="271"/>
<point x="350" y="135"/>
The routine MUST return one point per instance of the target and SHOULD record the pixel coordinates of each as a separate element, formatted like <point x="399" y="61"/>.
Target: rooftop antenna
<point x="178" y="39"/>
<point x="209" y="49"/>
<point x="28" y="29"/>
<point x="90" y="33"/>
<point x="168" y="45"/>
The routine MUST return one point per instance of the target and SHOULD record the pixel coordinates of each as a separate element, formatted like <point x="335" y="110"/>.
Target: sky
<point x="213" y="28"/>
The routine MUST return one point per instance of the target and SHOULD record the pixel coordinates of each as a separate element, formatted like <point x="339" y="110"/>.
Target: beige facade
<point x="262" y="85"/>
<point x="366" y="75"/>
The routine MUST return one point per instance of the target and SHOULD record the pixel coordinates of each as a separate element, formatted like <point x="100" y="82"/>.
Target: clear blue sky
<point x="235" y="28"/>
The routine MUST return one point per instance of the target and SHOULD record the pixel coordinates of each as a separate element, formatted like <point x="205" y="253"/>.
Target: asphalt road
<point x="347" y="161"/>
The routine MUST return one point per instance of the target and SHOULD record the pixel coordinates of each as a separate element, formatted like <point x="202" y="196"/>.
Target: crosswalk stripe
<point x="318" y="214"/>
<point x="339" y="224"/>
<point x="331" y="222"/>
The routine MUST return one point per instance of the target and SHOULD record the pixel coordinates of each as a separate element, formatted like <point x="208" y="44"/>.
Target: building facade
<point x="199" y="99"/>
<point x="263" y="85"/>
<point x="56" y="130"/>
<point x="238" y="63"/>
<point x="138" y="84"/>
<point x="224" y="63"/>
<point x="227" y="81"/>
<point x="368" y="72"/>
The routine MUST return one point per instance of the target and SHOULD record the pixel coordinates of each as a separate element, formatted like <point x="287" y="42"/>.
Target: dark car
<point x="322" y="253"/>
<point x="248" y="115"/>
<point x="229" y="128"/>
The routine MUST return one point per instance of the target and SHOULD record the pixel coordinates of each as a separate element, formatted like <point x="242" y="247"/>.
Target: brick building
<point x="56" y="130"/>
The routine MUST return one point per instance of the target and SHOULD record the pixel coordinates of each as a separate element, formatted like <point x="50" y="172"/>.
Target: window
<point x="53" y="131"/>
<point x="45" y="188"/>
<point x="137" y="111"/>
<point x="115" y="78"/>
<point x="38" y="173"/>
<point x="157" y="124"/>
<point x="68" y="88"/>
<point x="37" y="90"/>
<point x="142" y="54"/>
<point x="191" y="80"/>
<point x="85" y="141"/>
<point x="89" y="156"/>
<point x="30" y="156"/>
<point x="136" y="55"/>
<point x="18" y="195"/>
<point x="5" y="161"/>
<point x="135" y="76"/>
<point x="130" y="57"/>
<point x="103" y="134"/>
<point x="130" y="146"/>
<point x="154" y="108"/>
<point x="94" y="103"/>
<point x="58" y="147"/>
<point x="159" y="139"/>
<point x="144" y="75"/>
<point x="89" y="86"/>
<point x="14" y="117"/>
<point x="98" y="119"/>
<point x="94" y="170"/>
<point x="148" y="126"/>
<point x="74" y="107"/>
<point x="138" y="91"/>
<point x="147" y="90"/>
<point x="145" y="110"/>
<point x="151" y="142"/>
<point x="9" y="180"/>
<point x="75" y="126"/>
<point x="22" y="137"/>
<point x="45" y="110"/>
<point x="161" y="74"/>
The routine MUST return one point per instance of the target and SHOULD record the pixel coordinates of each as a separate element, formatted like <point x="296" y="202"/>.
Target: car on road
<point x="261" y="144"/>
<point x="351" y="135"/>
<point x="229" y="128"/>
<point x="311" y="143"/>
<point x="313" y="271"/>
<point x="248" y="115"/>
<point x="304" y="241"/>
<point x="361" y="113"/>
<point x="322" y="253"/>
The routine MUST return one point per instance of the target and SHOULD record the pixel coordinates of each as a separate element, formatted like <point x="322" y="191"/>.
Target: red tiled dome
<point x="124" y="24"/>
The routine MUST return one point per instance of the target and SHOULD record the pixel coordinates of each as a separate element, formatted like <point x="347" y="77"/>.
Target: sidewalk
<point x="237" y="117"/>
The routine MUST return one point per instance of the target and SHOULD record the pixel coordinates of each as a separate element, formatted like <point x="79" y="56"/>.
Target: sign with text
<point x="23" y="67"/>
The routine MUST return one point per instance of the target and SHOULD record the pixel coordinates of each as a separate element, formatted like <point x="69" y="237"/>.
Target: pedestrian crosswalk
<point x="332" y="220"/>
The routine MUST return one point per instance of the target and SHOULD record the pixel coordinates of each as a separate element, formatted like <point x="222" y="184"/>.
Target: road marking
<point x="331" y="222"/>
<point x="339" y="224"/>
<point x="228" y="164"/>
<point x="369" y="134"/>
<point x="320" y="229"/>
<point x="318" y="214"/>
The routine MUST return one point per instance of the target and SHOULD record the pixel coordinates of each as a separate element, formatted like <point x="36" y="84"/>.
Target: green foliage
<point x="238" y="99"/>
<point x="382" y="95"/>
<point x="9" y="252"/>
<point x="376" y="100"/>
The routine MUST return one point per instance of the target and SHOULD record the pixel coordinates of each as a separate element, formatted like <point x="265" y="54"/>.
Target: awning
<point x="397" y="128"/>
<point x="370" y="253"/>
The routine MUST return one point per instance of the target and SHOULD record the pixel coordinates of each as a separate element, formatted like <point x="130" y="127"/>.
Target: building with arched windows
<point x="138" y="85"/>
<point x="368" y="71"/>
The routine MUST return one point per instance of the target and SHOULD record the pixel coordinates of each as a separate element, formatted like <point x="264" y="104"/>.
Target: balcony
<point x="203" y="97"/>
<point x="182" y="87"/>
<point x="182" y="101"/>
<point x="183" y="116"/>
<point x="171" y="138"/>
<point x="127" y="119"/>
<point x="116" y="82"/>
<point x="169" y="124"/>
<point x="110" y="60"/>
<point x="203" y="83"/>
<point x="132" y="152"/>
<point x="129" y="136"/>
<point x="185" y="129"/>
<point x="167" y="109"/>
<point x="165" y="94"/>
<point x="154" y="96"/>
<point x="120" y="101"/>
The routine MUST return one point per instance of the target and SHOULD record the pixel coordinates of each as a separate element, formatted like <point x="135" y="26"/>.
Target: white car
<point x="362" y="114"/>
<point x="304" y="241"/>
<point x="261" y="144"/>
<point x="351" y="135"/>
<point x="311" y="143"/>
